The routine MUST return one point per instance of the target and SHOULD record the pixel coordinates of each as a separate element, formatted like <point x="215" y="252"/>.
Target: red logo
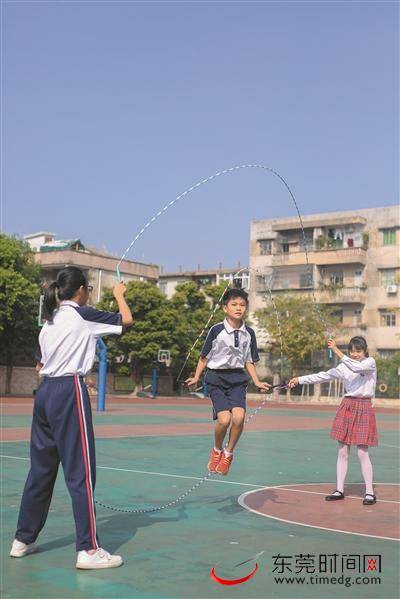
<point x="231" y="581"/>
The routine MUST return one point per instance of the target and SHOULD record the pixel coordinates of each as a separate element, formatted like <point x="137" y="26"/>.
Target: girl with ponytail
<point x="62" y="429"/>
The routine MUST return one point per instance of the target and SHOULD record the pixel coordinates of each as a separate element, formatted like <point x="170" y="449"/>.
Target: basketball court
<point x="271" y="504"/>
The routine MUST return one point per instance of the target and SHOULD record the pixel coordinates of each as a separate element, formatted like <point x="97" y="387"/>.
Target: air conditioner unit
<point x="391" y="289"/>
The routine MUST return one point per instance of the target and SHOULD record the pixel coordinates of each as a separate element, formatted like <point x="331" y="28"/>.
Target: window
<point x="265" y="247"/>
<point x="388" y="277"/>
<point x="357" y="278"/>
<point x="386" y="353"/>
<point x="306" y="279"/>
<point x="388" y="319"/>
<point x="339" y="315"/>
<point x="163" y="287"/>
<point x="285" y="248"/>
<point x="389" y="236"/>
<point x="357" y="316"/>
<point x="306" y="243"/>
<point x="336" y="278"/>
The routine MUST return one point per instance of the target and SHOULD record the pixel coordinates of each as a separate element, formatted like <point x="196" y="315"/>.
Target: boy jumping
<point x="229" y="353"/>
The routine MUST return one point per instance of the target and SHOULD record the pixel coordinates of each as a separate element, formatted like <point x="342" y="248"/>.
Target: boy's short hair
<point x="234" y="293"/>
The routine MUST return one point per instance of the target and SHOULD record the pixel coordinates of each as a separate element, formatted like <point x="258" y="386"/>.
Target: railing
<point x="334" y="294"/>
<point x="342" y="293"/>
<point x="313" y="248"/>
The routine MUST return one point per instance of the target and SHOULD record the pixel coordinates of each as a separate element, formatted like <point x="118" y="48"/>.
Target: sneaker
<point x="100" y="559"/>
<point x="213" y="462"/>
<point x="20" y="549"/>
<point x="224" y="464"/>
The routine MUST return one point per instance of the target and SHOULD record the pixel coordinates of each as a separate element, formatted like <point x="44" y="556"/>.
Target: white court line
<point x="241" y="502"/>
<point x="212" y="480"/>
<point x="224" y="482"/>
<point x="386" y="445"/>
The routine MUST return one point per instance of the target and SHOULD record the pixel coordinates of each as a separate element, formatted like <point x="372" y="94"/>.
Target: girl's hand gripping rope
<point x="293" y="382"/>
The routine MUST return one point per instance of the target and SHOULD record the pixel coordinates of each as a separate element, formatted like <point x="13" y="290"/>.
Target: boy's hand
<point x="262" y="386"/>
<point x="293" y="382"/>
<point x="119" y="290"/>
<point x="192" y="381"/>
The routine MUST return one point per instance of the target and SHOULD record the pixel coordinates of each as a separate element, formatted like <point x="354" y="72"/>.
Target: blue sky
<point x="110" y="109"/>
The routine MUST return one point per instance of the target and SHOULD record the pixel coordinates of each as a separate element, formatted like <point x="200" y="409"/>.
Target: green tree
<point x="388" y="374"/>
<point x="19" y="302"/>
<point x="296" y="326"/>
<point x="196" y="311"/>
<point x="153" y="320"/>
<point x="159" y="322"/>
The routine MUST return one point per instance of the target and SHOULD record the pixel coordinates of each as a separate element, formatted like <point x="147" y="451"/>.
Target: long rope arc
<point x="181" y="497"/>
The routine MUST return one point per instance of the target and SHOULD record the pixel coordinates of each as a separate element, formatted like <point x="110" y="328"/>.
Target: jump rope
<point x="180" y="498"/>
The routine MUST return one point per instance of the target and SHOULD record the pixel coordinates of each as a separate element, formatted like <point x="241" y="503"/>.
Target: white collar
<point x="69" y="303"/>
<point x="230" y="329"/>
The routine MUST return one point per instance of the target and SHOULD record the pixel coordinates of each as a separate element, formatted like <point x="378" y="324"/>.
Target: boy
<point x="230" y="350"/>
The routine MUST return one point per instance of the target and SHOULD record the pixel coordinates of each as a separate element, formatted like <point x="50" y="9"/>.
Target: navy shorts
<point x="227" y="389"/>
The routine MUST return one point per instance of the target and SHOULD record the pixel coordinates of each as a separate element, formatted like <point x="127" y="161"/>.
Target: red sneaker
<point x="213" y="462"/>
<point x="224" y="464"/>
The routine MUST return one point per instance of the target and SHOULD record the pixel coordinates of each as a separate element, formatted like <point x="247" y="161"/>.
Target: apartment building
<point x="353" y="265"/>
<point x="238" y="276"/>
<point x="99" y="267"/>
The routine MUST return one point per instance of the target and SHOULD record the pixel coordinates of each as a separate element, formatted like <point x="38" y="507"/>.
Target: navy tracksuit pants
<point x="62" y="431"/>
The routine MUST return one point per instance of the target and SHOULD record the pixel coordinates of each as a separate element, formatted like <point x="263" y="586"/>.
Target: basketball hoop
<point x="164" y="357"/>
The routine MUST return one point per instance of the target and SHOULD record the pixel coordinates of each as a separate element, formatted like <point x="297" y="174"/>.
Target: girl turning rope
<point x="355" y="422"/>
<point x="62" y="429"/>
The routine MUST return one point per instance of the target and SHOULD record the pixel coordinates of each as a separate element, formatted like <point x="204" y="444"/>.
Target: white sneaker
<point x="19" y="549"/>
<point x="100" y="559"/>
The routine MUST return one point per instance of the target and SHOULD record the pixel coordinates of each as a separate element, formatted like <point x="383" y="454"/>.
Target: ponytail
<point x="50" y="300"/>
<point x="69" y="280"/>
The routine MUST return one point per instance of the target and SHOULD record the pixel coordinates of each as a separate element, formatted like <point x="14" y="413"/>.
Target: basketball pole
<point x="102" y="375"/>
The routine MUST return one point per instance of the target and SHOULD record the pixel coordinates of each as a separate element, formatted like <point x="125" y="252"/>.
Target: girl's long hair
<point x="68" y="281"/>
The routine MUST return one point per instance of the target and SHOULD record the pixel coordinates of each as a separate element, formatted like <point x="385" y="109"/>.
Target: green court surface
<point x="169" y="554"/>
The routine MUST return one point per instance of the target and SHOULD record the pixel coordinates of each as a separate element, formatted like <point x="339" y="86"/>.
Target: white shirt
<point x="68" y="342"/>
<point x="359" y="376"/>
<point x="226" y="347"/>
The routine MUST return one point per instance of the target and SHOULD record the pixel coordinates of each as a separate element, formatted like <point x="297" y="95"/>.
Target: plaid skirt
<point x="355" y="422"/>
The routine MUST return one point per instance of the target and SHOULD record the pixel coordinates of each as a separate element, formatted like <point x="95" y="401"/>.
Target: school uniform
<point x="355" y="422"/>
<point x="227" y="350"/>
<point x="62" y="429"/>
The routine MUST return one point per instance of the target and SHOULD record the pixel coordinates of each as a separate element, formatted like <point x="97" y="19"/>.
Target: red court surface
<point x="304" y="505"/>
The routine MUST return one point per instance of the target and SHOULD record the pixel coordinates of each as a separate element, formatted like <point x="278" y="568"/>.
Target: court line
<point x="241" y="501"/>
<point x="386" y="445"/>
<point x="213" y="480"/>
<point x="224" y="482"/>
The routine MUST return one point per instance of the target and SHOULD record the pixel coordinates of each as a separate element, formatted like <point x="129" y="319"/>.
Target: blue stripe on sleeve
<point x="93" y="315"/>
<point x="253" y="345"/>
<point x="212" y="334"/>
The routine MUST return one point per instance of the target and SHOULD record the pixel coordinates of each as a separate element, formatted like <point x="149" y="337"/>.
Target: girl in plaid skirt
<point x="355" y="422"/>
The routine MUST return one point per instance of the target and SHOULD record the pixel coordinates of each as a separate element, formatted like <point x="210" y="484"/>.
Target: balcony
<point x="321" y="256"/>
<point x="342" y="295"/>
